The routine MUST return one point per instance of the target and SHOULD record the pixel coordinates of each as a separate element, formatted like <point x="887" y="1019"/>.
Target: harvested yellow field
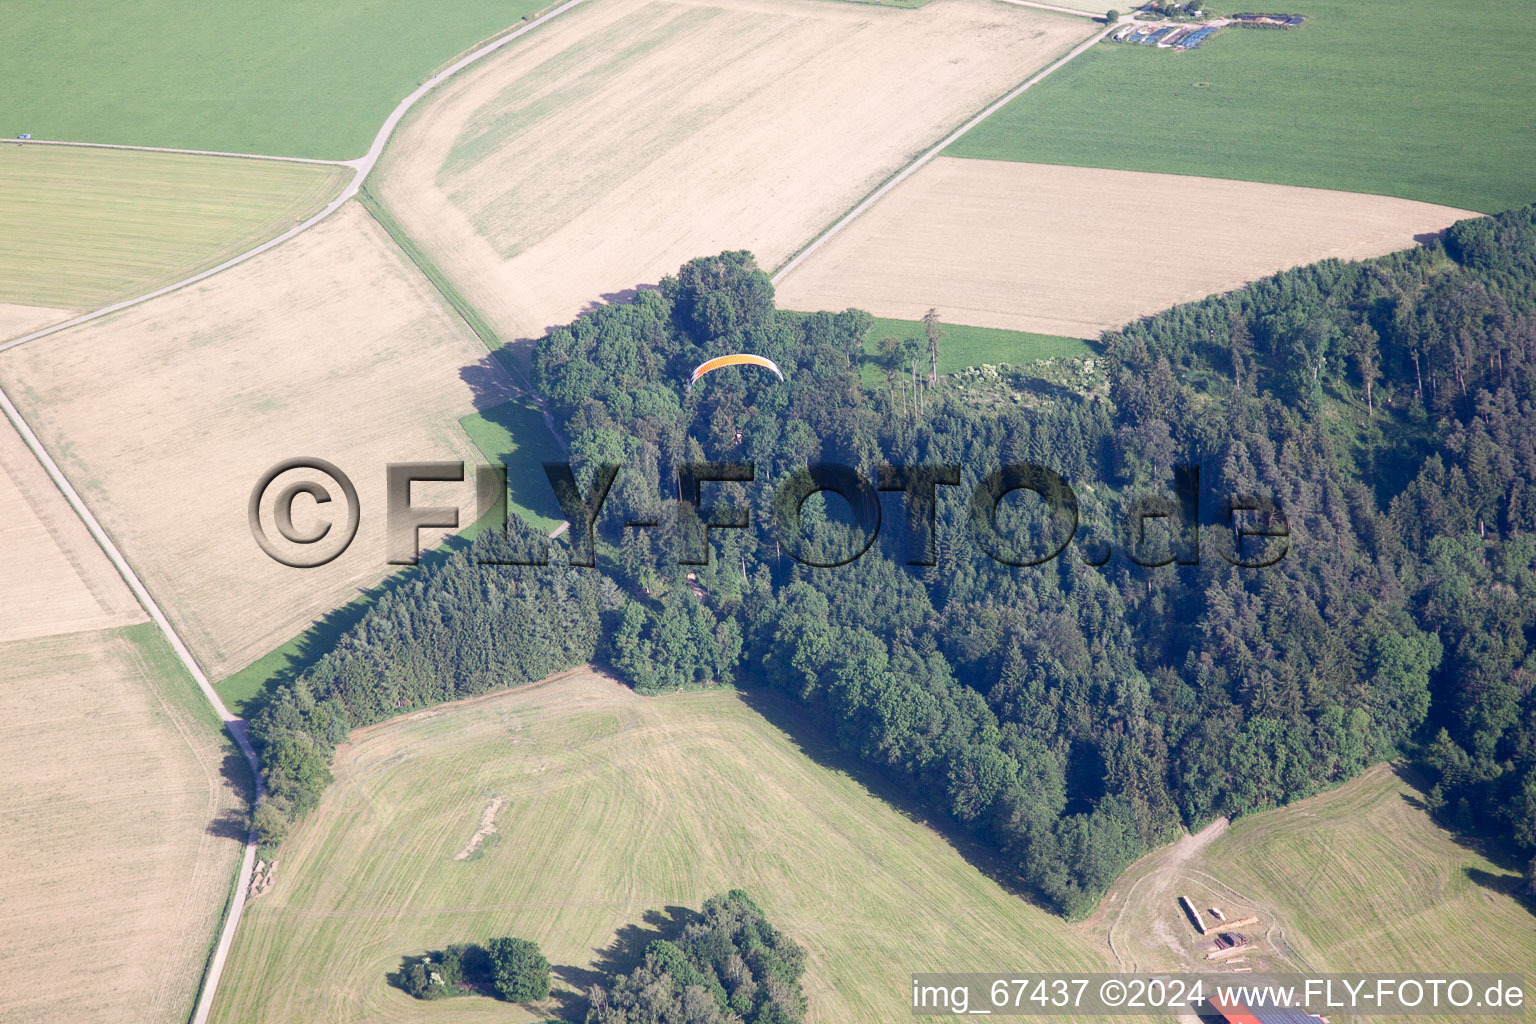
<point x="608" y="806"/>
<point x="1075" y="251"/>
<point x="18" y="319"/>
<point x="165" y="415"/>
<point x="627" y="137"/>
<point x="123" y="829"/>
<point x="82" y="227"/>
<point x="54" y="577"/>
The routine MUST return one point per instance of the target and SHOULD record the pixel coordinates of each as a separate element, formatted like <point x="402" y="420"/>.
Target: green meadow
<point x="963" y="346"/>
<point x="1412" y="98"/>
<point x="514" y="434"/>
<point x="281" y="77"/>
<point x="81" y="227"/>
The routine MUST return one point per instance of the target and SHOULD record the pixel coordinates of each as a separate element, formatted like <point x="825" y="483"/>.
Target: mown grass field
<point x="963" y="346"/>
<point x="1356" y="880"/>
<point x="82" y="227"/>
<point x="124" y="825"/>
<point x="1364" y="880"/>
<point x="292" y="78"/>
<point x="615" y="805"/>
<point x="1409" y="98"/>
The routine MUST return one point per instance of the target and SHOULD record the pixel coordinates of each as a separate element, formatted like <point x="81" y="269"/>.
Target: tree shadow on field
<point x="622" y="955"/>
<point x="622" y="297"/>
<point x="490" y="383"/>
<point x="1511" y="885"/>
<point x="229" y="823"/>
<point x="236" y="772"/>
<point x="1509" y="881"/>
<point x="811" y="739"/>
<point x="233" y="822"/>
<point x="532" y="434"/>
<point x="493" y="385"/>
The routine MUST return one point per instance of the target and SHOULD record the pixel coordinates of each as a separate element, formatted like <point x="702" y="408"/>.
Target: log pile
<point x="1194" y="915"/>
<point x="261" y="878"/>
<point x="1228" y="944"/>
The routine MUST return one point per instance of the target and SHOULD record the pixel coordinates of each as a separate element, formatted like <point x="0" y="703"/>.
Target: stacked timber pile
<point x="1194" y="915"/>
<point x="1227" y="944"/>
<point x="1243" y="921"/>
<point x="261" y="878"/>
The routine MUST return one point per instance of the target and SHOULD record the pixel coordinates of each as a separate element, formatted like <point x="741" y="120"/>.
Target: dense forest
<point x="1074" y="713"/>
<point x="731" y="965"/>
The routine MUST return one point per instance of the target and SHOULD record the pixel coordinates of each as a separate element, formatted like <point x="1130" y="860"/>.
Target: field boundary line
<point x="1053" y="7"/>
<point x="927" y="155"/>
<point x="361" y="167"/>
<point x="466" y="311"/>
<point x="184" y="152"/>
<point x="236" y="726"/>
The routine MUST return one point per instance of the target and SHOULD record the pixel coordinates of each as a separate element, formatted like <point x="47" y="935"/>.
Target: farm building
<point x="1180" y="37"/>
<point x="1237" y="1012"/>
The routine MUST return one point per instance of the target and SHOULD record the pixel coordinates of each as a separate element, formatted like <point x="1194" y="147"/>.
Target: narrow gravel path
<point x="238" y="730"/>
<point x="195" y="152"/>
<point x="361" y="168"/>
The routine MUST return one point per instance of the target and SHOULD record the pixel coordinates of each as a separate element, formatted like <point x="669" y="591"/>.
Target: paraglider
<point x="739" y="359"/>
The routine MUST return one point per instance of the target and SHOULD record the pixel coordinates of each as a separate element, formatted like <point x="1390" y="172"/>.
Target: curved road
<point x="361" y="168"/>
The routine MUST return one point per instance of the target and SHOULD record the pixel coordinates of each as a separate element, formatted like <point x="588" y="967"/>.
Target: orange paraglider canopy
<point x="739" y="359"/>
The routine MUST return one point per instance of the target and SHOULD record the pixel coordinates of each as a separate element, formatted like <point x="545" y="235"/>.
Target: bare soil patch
<point x="487" y="828"/>
<point x="165" y="415"/>
<point x="1075" y="251"/>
